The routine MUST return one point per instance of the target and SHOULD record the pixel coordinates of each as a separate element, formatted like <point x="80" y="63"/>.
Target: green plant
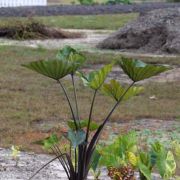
<point x="119" y="2"/>
<point x="86" y="2"/>
<point x="120" y="152"/>
<point x="15" y="153"/>
<point x="159" y="157"/>
<point x="78" y="159"/>
<point x="173" y="0"/>
<point x="165" y="161"/>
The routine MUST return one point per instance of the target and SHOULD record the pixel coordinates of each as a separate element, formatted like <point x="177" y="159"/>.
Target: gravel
<point x="31" y="162"/>
<point x="82" y="10"/>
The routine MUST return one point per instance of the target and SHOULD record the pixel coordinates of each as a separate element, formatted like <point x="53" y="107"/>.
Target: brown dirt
<point x="153" y="32"/>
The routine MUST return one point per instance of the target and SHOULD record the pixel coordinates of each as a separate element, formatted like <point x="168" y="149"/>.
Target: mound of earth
<point x="155" y="31"/>
<point x="34" y="30"/>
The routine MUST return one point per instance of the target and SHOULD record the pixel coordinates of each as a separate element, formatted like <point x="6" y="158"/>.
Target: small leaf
<point x="54" y="69"/>
<point x="138" y="70"/>
<point x="15" y="151"/>
<point x="76" y="137"/>
<point x="132" y="159"/>
<point x="96" y="79"/>
<point x="50" y="141"/>
<point x="65" y="52"/>
<point x="83" y="124"/>
<point x="145" y="171"/>
<point x="115" y="90"/>
<point x="95" y="160"/>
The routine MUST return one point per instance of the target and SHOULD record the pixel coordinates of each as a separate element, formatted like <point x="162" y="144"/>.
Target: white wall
<point x="14" y="3"/>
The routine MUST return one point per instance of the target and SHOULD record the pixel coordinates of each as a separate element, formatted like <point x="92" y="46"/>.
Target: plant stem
<point x="69" y="102"/>
<point x="95" y="138"/>
<point x="90" y="115"/>
<point x="115" y="106"/>
<point x="84" y="154"/>
<point x="75" y="97"/>
<point x="57" y="157"/>
<point x="62" y="161"/>
<point x="75" y="154"/>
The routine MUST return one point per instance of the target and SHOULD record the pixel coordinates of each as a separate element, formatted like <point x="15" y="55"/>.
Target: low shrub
<point x="119" y="2"/>
<point x="126" y="155"/>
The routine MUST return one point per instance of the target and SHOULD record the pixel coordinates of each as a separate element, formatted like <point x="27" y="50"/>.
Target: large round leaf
<point x="96" y="79"/>
<point x="54" y="69"/>
<point x="138" y="70"/>
<point x="116" y="91"/>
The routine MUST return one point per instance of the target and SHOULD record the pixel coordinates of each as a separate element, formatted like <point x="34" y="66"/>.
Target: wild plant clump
<point x="77" y="158"/>
<point x="34" y="30"/>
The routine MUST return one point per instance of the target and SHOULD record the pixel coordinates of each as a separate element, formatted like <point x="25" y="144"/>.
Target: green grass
<point x="110" y="22"/>
<point x="27" y="97"/>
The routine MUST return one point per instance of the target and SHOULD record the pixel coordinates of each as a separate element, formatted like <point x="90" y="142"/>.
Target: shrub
<point x="86" y="2"/>
<point x="119" y="2"/>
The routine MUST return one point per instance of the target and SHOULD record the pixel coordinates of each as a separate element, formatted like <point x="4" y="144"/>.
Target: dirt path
<point x="89" y="40"/>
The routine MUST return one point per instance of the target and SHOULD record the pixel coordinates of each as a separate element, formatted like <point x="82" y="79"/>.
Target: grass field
<point x="77" y="22"/>
<point x="27" y="97"/>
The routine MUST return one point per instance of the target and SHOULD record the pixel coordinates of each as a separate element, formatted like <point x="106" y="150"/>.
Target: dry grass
<point x="27" y="99"/>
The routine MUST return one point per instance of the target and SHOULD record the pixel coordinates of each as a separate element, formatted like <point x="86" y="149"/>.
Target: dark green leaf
<point x="138" y="70"/>
<point x="115" y="90"/>
<point x="54" y="69"/>
<point x="76" y="137"/>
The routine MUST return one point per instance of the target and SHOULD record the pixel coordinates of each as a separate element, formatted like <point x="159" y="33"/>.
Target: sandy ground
<point x="29" y="162"/>
<point x="89" y="40"/>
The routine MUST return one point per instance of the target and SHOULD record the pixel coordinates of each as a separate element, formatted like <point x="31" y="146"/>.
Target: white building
<point x="16" y="3"/>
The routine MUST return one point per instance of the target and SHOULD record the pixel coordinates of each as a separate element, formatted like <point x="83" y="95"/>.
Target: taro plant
<point x="120" y="156"/>
<point x="156" y="157"/>
<point x="124" y="156"/>
<point x="83" y="135"/>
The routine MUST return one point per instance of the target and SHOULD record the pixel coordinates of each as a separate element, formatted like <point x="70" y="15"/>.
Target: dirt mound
<point x="155" y="31"/>
<point x="34" y="30"/>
